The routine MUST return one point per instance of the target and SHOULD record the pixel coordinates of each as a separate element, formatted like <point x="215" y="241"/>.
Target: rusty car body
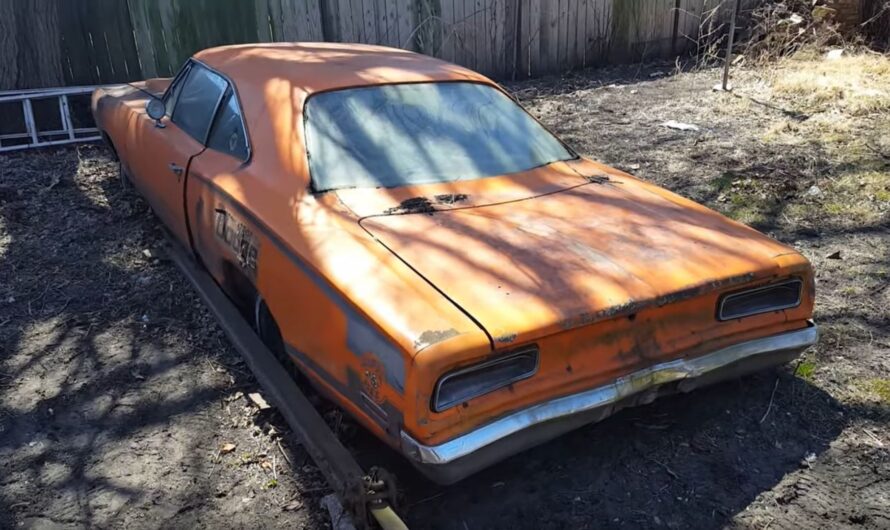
<point x="433" y="259"/>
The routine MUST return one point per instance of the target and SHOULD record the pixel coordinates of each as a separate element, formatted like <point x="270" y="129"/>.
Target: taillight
<point x="467" y="383"/>
<point x="775" y="297"/>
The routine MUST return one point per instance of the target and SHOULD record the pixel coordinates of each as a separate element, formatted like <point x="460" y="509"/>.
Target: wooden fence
<point x="47" y="43"/>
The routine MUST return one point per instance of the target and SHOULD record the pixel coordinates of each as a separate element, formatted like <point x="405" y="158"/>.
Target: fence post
<point x="735" y="13"/>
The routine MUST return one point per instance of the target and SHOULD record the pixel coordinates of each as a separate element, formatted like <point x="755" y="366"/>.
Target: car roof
<point x="311" y="67"/>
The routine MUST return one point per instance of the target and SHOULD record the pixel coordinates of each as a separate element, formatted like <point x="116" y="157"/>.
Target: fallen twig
<point x="877" y="151"/>
<point x="771" y="397"/>
<point x="666" y="468"/>
<point x="278" y="443"/>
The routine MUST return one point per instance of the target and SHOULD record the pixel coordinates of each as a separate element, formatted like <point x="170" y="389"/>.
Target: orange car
<point x="433" y="259"/>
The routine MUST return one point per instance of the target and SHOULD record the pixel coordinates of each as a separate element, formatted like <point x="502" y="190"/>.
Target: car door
<point x="164" y="149"/>
<point x="223" y="235"/>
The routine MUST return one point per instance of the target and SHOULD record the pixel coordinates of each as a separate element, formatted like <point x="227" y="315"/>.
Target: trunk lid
<point x="565" y="248"/>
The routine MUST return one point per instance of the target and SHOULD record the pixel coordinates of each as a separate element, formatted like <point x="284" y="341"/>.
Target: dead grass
<point x="835" y="109"/>
<point x="881" y="388"/>
<point x="856" y="84"/>
<point x="856" y="198"/>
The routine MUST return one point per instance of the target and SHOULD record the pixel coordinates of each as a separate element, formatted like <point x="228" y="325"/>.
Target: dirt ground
<point x="122" y="404"/>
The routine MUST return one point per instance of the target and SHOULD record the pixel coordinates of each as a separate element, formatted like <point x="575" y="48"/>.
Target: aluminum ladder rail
<point x="33" y="136"/>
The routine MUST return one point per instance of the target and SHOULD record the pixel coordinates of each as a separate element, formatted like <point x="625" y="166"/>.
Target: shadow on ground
<point x="689" y="461"/>
<point x="113" y="378"/>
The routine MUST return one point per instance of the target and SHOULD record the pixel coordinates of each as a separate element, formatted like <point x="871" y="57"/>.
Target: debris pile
<point x="780" y="29"/>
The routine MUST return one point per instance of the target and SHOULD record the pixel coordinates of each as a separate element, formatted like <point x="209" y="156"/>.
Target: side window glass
<point x="227" y="134"/>
<point x="197" y="101"/>
<point x="175" y="88"/>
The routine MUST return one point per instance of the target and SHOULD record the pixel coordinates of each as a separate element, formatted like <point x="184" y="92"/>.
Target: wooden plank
<point x="497" y="34"/>
<point x="669" y="17"/>
<point x="691" y="22"/>
<point x="80" y="59"/>
<point x="108" y="26"/>
<point x="654" y="17"/>
<point x="463" y="46"/>
<point x="357" y="13"/>
<point x="549" y="38"/>
<point x="283" y="19"/>
<point x="9" y="73"/>
<point x="481" y="43"/>
<point x="296" y="20"/>
<point x="479" y="34"/>
<point x="264" y="30"/>
<point x="427" y="26"/>
<point x="159" y="15"/>
<point x="39" y="57"/>
<point x="511" y="38"/>
<point x="599" y="30"/>
<point x="330" y="20"/>
<point x="533" y="37"/>
<point x="592" y="32"/>
<point x="382" y="22"/>
<point x="392" y="23"/>
<point x="314" y="30"/>
<point x="99" y="46"/>
<point x="406" y="24"/>
<point x="537" y="20"/>
<point x="348" y="26"/>
<point x="564" y="36"/>
<point x="145" y="48"/>
<point x="179" y="28"/>
<point x="369" y="26"/>
<point x="580" y="37"/>
<point x="288" y="20"/>
<point x="447" y="48"/>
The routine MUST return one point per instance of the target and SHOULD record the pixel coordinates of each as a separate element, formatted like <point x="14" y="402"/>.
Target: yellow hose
<point x="387" y="518"/>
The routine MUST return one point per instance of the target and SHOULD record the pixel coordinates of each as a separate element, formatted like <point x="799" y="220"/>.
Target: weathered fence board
<point x="83" y="42"/>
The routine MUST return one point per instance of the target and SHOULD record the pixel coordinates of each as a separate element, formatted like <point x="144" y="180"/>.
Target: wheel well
<point x="110" y="144"/>
<point x="240" y="289"/>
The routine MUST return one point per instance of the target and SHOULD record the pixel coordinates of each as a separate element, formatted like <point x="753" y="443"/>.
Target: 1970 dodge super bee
<point x="433" y="259"/>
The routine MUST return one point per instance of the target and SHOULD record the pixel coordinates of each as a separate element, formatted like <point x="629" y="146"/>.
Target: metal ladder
<point x="33" y="137"/>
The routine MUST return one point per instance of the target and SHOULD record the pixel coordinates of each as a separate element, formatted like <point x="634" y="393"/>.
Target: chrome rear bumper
<point x="460" y="457"/>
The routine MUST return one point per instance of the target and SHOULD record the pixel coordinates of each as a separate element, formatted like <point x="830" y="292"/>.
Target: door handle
<point x="176" y="169"/>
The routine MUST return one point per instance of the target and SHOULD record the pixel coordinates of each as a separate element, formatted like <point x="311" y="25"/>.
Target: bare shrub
<point x="877" y="22"/>
<point x="779" y="29"/>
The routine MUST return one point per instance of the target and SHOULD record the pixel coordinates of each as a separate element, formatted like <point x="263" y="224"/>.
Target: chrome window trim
<point x="240" y="112"/>
<point x="183" y="72"/>
<point x="729" y="296"/>
<point x="481" y="366"/>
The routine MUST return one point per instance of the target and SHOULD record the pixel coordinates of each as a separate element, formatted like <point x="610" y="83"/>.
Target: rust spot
<point x="430" y="337"/>
<point x="451" y="198"/>
<point x="633" y="306"/>
<point x="412" y="205"/>
<point x="506" y="338"/>
<point x="372" y="376"/>
<point x="598" y="179"/>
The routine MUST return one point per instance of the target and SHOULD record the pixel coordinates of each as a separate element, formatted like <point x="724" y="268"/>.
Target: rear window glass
<point x="397" y="135"/>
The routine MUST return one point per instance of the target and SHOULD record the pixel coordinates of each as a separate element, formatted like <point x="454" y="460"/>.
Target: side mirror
<point x="156" y="110"/>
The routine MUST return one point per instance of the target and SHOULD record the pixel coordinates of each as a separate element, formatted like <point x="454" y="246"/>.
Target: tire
<point x="268" y="330"/>
<point x="270" y="334"/>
